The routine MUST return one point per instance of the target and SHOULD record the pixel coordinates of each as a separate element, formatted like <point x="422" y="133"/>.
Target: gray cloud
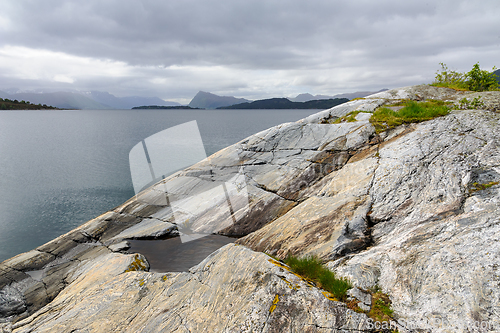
<point x="247" y="48"/>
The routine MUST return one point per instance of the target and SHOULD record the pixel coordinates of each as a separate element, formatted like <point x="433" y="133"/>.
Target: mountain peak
<point x="206" y="100"/>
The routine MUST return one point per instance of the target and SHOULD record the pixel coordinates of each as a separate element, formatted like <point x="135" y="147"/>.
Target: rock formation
<point x="413" y="211"/>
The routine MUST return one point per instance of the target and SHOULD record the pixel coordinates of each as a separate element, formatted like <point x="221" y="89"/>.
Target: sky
<point x="252" y="49"/>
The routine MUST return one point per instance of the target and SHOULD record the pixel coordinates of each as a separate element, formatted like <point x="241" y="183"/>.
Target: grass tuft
<point x="350" y="117"/>
<point x="381" y="307"/>
<point x="480" y="187"/>
<point x="412" y="112"/>
<point x="312" y="269"/>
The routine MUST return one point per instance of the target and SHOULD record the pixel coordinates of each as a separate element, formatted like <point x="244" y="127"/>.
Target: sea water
<point x="59" y="169"/>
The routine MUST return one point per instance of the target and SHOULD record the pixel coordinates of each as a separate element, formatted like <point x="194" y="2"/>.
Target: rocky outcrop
<point x="436" y="222"/>
<point x="413" y="211"/>
<point x="233" y="290"/>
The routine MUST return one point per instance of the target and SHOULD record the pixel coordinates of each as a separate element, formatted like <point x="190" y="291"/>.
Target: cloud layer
<point x="252" y="49"/>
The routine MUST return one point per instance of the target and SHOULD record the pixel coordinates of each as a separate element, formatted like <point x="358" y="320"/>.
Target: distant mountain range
<point x="162" y="107"/>
<point x="99" y="100"/>
<point x="308" y="97"/>
<point x="206" y="100"/>
<point x="108" y="99"/>
<point x="3" y="94"/>
<point x="93" y="100"/>
<point x="63" y="100"/>
<point x="285" y="103"/>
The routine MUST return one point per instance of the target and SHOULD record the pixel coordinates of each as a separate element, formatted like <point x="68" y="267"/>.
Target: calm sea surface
<point x="59" y="169"/>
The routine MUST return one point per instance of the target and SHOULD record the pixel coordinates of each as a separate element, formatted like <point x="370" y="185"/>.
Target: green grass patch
<point x="479" y="187"/>
<point x="381" y="307"/>
<point x="465" y="104"/>
<point x="350" y="117"/>
<point x="412" y="112"/>
<point x="312" y="269"/>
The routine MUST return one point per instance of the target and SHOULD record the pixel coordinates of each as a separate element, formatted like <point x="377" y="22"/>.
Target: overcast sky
<point x="253" y="49"/>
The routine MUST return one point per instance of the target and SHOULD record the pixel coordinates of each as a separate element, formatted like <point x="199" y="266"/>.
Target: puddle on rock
<point x="171" y="255"/>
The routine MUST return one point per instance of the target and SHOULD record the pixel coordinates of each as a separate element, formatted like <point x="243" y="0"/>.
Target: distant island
<point x="7" y="104"/>
<point x="285" y="103"/>
<point x="183" y="107"/>
<point x="206" y="100"/>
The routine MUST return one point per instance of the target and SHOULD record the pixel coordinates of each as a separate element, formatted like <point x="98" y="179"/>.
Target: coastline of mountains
<point x="92" y="100"/>
<point x="100" y="100"/>
<point x="206" y="100"/>
<point x="285" y="103"/>
<point x="97" y="100"/>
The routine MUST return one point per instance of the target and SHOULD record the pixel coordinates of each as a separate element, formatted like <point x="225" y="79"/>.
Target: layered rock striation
<point x="413" y="211"/>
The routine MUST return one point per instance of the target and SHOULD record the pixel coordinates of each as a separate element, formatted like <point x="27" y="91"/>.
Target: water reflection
<point x="172" y="255"/>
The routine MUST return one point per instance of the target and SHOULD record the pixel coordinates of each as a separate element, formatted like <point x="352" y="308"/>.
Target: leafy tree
<point x="481" y="80"/>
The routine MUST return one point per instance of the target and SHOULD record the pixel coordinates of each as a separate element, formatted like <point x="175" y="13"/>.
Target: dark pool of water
<point x="171" y="255"/>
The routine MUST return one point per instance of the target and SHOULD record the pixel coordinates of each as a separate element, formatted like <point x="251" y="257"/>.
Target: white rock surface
<point x="414" y="211"/>
<point x="233" y="290"/>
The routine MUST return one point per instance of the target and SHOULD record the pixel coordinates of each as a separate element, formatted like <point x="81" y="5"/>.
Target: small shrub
<point x="481" y="80"/>
<point x="476" y="79"/>
<point x="465" y="104"/>
<point x="311" y="268"/>
<point x="449" y="79"/>
<point x="413" y="112"/>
